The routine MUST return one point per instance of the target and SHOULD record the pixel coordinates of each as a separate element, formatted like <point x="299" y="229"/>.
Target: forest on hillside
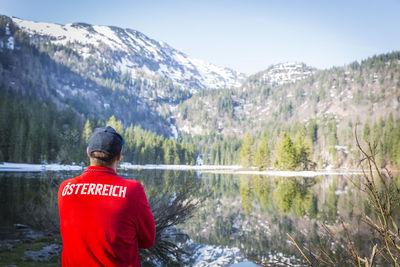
<point x="38" y="132"/>
<point x="304" y="146"/>
<point x="46" y="72"/>
<point x="327" y="106"/>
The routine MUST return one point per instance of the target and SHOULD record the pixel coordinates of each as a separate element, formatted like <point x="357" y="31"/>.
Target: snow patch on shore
<point x="209" y="255"/>
<point x="231" y="169"/>
<point x="25" y="167"/>
<point x="235" y="169"/>
<point x="301" y="173"/>
<point x="127" y="165"/>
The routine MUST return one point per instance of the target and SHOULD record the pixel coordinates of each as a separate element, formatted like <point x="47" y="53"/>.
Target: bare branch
<point x="299" y="249"/>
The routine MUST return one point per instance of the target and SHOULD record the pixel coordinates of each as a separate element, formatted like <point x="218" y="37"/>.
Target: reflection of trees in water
<point x="263" y="188"/>
<point x="322" y="198"/>
<point x="43" y="210"/>
<point x="283" y="194"/>
<point x="254" y="213"/>
<point x="30" y="199"/>
<point x="246" y="192"/>
<point x="292" y="194"/>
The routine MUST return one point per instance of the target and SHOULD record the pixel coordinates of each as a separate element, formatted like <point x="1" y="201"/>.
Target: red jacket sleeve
<point x="145" y="225"/>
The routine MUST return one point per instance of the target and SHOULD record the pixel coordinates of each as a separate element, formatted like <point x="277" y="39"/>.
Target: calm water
<point x="253" y="213"/>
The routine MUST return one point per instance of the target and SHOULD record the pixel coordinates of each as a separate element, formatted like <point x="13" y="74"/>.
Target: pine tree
<point x="167" y="153"/>
<point x="246" y="151"/>
<point x="217" y="158"/>
<point x="17" y="139"/>
<point x="366" y="132"/>
<point x="312" y="130"/>
<point x="87" y="132"/>
<point x="129" y="143"/>
<point x="303" y="150"/>
<point x="332" y="141"/>
<point x="5" y="120"/>
<point x="285" y="153"/>
<point x="116" y="124"/>
<point x="44" y="144"/>
<point x="263" y="155"/>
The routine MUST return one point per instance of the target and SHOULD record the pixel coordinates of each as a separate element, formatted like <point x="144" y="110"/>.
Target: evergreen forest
<point x="37" y="132"/>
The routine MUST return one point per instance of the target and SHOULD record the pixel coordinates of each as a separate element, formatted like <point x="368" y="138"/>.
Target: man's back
<point x="104" y="219"/>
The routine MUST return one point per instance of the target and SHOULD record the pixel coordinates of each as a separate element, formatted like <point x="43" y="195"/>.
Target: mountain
<point x="228" y="112"/>
<point x="365" y="90"/>
<point x="118" y="71"/>
<point x="57" y="74"/>
<point x="131" y="51"/>
<point x="326" y="104"/>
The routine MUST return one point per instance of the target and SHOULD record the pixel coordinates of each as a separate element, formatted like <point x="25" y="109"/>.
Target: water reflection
<point x="253" y="213"/>
<point x="29" y="198"/>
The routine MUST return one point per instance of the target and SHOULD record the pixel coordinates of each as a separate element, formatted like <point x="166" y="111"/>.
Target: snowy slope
<point x="130" y="50"/>
<point x="279" y="74"/>
<point x="286" y="73"/>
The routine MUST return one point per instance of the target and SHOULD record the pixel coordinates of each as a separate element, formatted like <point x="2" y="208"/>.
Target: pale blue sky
<point x="247" y="35"/>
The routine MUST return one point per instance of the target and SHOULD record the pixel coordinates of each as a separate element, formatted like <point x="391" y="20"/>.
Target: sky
<point x="247" y="35"/>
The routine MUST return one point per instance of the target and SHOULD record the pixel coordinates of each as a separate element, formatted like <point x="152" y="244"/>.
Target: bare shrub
<point x="169" y="211"/>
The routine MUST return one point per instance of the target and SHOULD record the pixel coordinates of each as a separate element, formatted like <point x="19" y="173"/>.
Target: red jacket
<point x="104" y="219"/>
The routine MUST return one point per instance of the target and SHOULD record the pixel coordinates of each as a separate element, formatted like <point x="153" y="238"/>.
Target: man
<point x="104" y="219"/>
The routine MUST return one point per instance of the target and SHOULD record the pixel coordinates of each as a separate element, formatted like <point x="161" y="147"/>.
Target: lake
<point x="251" y="212"/>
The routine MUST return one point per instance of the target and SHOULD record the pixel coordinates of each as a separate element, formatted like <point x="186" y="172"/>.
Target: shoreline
<point x="231" y="169"/>
<point x="27" y="167"/>
<point x="308" y="174"/>
<point x="239" y="170"/>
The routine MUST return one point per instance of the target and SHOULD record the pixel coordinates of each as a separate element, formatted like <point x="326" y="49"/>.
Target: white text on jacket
<point x="95" y="190"/>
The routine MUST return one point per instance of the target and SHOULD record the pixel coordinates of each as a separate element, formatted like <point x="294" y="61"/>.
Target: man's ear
<point x="87" y="152"/>
<point x="119" y="156"/>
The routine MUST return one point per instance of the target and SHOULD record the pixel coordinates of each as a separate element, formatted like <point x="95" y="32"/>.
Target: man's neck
<point x="112" y="166"/>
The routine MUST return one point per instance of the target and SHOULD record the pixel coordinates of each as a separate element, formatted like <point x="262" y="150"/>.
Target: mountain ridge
<point x="339" y="91"/>
<point x="128" y="50"/>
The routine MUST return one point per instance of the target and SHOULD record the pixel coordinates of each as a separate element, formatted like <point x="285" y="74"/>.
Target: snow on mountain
<point x="279" y="74"/>
<point x="129" y="51"/>
<point x="286" y="73"/>
<point x="8" y="41"/>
